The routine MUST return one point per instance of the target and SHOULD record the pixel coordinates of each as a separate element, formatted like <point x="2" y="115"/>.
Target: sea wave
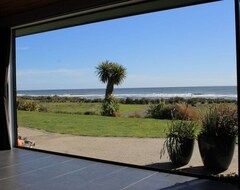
<point x="149" y="96"/>
<point x="184" y="95"/>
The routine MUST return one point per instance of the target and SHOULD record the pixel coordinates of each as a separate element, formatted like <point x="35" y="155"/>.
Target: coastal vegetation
<point x="83" y="117"/>
<point x="112" y="74"/>
<point x="128" y="100"/>
<point x="164" y="111"/>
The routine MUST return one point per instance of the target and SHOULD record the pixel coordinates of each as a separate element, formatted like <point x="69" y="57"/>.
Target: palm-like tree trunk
<point x="109" y="89"/>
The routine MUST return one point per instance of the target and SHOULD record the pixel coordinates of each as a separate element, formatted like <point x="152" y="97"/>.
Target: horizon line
<point x="127" y="88"/>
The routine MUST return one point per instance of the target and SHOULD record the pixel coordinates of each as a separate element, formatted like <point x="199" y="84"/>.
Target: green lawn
<point x="93" y="125"/>
<point x="81" y="108"/>
<point x="131" y="108"/>
<point x="70" y="107"/>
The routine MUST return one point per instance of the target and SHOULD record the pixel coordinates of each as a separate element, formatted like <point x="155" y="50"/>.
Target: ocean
<point x="212" y="92"/>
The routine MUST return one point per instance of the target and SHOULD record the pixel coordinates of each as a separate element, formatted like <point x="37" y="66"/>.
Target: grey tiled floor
<point x="29" y="170"/>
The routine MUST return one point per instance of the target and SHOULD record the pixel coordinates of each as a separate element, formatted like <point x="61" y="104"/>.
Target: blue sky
<point x="191" y="46"/>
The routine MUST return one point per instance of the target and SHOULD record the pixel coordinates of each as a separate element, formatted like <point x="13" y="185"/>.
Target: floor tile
<point x="156" y="181"/>
<point x="124" y="177"/>
<point x="30" y="170"/>
<point x="12" y="184"/>
<point x="23" y="166"/>
<point x="58" y="170"/>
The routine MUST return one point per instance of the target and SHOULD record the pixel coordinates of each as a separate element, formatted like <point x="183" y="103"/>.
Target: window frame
<point x="92" y="16"/>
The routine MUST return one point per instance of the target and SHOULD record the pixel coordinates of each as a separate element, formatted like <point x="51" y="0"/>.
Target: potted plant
<point x="180" y="140"/>
<point x="218" y="136"/>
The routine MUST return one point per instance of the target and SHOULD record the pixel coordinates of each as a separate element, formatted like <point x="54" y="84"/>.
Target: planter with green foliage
<point x="180" y="140"/>
<point x="218" y="136"/>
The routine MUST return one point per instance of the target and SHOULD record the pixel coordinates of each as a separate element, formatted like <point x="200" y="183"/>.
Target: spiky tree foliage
<point x="112" y="74"/>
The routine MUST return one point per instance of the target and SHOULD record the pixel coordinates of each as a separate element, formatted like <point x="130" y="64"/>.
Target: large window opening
<point x="179" y="64"/>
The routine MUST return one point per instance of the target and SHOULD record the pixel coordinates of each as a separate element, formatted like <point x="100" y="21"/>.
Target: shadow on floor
<point x="200" y="170"/>
<point x="199" y="184"/>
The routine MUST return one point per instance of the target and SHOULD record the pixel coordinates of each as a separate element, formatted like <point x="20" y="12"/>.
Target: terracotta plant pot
<point x="19" y="142"/>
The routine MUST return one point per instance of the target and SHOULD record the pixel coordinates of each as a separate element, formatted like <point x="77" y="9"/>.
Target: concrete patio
<point x="136" y="151"/>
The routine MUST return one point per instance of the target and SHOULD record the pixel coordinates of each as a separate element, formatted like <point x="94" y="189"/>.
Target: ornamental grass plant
<point x="178" y="133"/>
<point x="220" y="121"/>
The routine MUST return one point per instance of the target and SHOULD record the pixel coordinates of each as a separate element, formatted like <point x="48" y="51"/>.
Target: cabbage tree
<point x="112" y="74"/>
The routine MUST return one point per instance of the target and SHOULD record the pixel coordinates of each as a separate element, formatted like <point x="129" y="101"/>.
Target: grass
<point x="81" y="108"/>
<point x="69" y="118"/>
<point x="70" y="107"/>
<point x="131" y="108"/>
<point x="93" y="125"/>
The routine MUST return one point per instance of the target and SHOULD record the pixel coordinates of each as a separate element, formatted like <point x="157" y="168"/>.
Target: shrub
<point x="143" y="101"/>
<point x="28" y="105"/>
<point x="129" y="101"/>
<point x="160" y="111"/>
<point x="156" y="101"/>
<point x="176" y="100"/>
<point x="165" y="111"/>
<point x="184" y="111"/>
<point x="110" y="106"/>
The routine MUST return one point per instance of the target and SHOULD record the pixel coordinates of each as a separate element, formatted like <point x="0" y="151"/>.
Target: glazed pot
<point x="184" y="153"/>
<point x="216" y="152"/>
